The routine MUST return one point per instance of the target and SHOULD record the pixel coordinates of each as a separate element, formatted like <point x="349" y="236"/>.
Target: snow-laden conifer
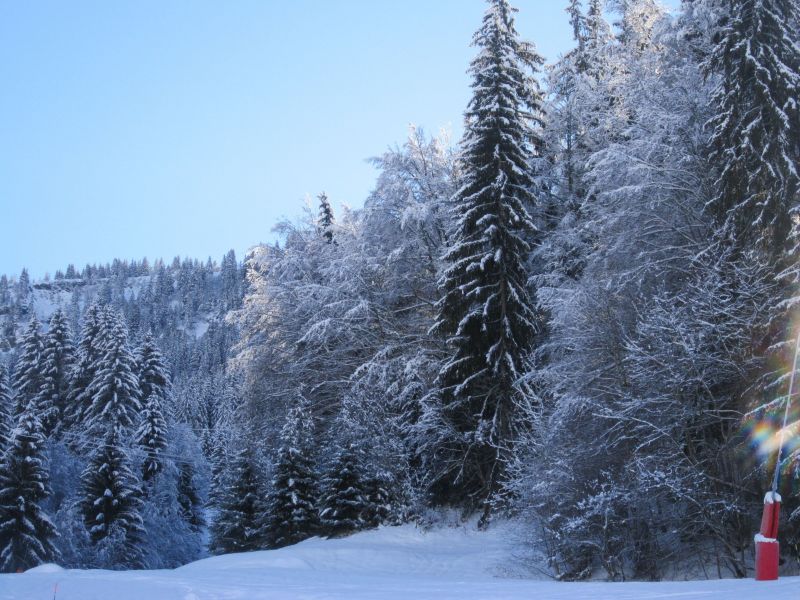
<point x="88" y="353"/>
<point x="154" y="388"/>
<point x="486" y="311"/>
<point x="151" y="436"/>
<point x="112" y="502"/>
<point x="292" y="504"/>
<point x="58" y="356"/>
<point x="114" y="390"/>
<point x="344" y="499"/>
<point x="6" y="411"/>
<point x="26" y="532"/>
<point x="325" y="218"/>
<point x="154" y="376"/>
<point x="27" y="379"/>
<point x="238" y="522"/>
<point x="756" y="123"/>
<point x="189" y="500"/>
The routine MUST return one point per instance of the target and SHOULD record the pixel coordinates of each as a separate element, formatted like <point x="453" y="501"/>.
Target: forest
<point x="580" y="316"/>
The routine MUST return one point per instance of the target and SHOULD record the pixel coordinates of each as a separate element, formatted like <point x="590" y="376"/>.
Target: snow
<point x="387" y="564"/>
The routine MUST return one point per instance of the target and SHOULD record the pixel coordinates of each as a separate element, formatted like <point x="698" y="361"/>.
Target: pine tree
<point x="58" y="357"/>
<point x="152" y="436"/>
<point x="112" y="503"/>
<point x="6" y="411"/>
<point x="291" y="509"/>
<point x="578" y="23"/>
<point x="757" y="122"/>
<point x="114" y="391"/>
<point x="5" y="291"/>
<point x="486" y="311"/>
<point x="27" y="380"/>
<point x="378" y="509"/>
<point x="89" y="352"/>
<point x="325" y="218"/>
<point x="344" y="500"/>
<point x="237" y="527"/>
<point x="23" y="290"/>
<point x="26" y="532"/>
<point x="191" y="505"/>
<point x="154" y="387"/>
<point x="597" y="35"/>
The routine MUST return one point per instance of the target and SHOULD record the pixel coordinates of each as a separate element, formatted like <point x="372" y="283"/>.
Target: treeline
<point x="135" y="404"/>
<point x="185" y="302"/>
<point x="96" y="471"/>
<point x="574" y="316"/>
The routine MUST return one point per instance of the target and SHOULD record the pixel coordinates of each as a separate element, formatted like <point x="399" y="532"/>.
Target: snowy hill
<point x="389" y="563"/>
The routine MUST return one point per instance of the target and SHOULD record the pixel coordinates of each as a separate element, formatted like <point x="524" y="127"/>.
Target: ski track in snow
<point x="388" y="564"/>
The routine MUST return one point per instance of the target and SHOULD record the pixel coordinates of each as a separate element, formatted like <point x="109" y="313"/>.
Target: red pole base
<point x="767" y="554"/>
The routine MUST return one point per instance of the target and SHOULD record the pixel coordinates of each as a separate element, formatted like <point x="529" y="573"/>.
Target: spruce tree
<point x="756" y="125"/>
<point x="325" y="218"/>
<point x="112" y="503"/>
<point x="154" y="388"/>
<point x="578" y="23"/>
<point x="6" y="411"/>
<point x="344" y="500"/>
<point x="114" y="390"/>
<point x="238" y="523"/>
<point x="89" y="351"/>
<point x="26" y="532"/>
<point x="58" y="356"/>
<point x="191" y="505"/>
<point x="27" y="380"/>
<point x="154" y="377"/>
<point x="379" y="500"/>
<point x="291" y="509"/>
<point x="23" y="291"/>
<point x="486" y="311"/>
<point x="152" y="436"/>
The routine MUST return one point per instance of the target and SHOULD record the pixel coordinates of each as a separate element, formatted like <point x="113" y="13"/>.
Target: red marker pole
<point x="767" y="546"/>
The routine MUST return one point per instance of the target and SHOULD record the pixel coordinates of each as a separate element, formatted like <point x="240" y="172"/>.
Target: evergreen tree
<point x="578" y="23"/>
<point x="757" y="121"/>
<point x="237" y="527"/>
<point x="486" y="311"/>
<point x="58" y="357"/>
<point x="114" y="391"/>
<point x="231" y="284"/>
<point x="112" y="504"/>
<point x="191" y="505"/>
<point x="5" y="291"/>
<point x="23" y="290"/>
<point x="89" y="351"/>
<point x="27" y="380"/>
<point x="344" y="500"/>
<point x="378" y="508"/>
<point x="325" y="218"/>
<point x="26" y="532"/>
<point x="291" y="512"/>
<point x="154" y="377"/>
<point x="152" y="436"/>
<point x="6" y="411"/>
<point x="154" y="387"/>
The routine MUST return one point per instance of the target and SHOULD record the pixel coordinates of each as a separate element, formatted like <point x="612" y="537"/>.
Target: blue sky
<point x="153" y="128"/>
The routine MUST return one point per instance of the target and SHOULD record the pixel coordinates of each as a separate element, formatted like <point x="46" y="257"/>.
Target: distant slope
<point x="399" y="563"/>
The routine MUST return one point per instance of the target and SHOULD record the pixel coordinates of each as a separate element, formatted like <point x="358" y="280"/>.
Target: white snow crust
<point x="394" y="563"/>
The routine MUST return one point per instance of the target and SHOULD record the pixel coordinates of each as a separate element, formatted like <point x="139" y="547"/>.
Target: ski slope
<point x="400" y="563"/>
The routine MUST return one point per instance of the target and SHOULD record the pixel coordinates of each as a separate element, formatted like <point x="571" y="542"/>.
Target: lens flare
<point x="764" y="426"/>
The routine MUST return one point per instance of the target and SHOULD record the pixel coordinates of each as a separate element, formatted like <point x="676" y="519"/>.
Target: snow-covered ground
<point x="399" y="563"/>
